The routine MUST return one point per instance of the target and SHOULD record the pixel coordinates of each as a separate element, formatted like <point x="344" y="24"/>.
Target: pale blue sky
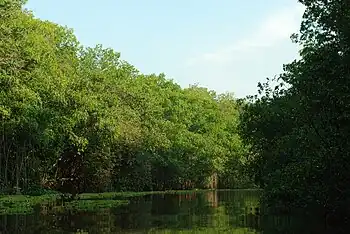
<point x="224" y="45"/>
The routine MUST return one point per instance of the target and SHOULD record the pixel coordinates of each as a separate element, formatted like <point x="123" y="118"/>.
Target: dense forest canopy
<point x="77" y="119"/>
<point x="299" y="136"/>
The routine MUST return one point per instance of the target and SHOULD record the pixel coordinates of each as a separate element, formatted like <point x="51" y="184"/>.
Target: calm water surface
<point x="235" y="212"/>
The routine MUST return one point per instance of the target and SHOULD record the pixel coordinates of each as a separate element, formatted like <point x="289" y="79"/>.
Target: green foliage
<point x="89" y="205"/>
<point x="23" y="204"/>
<point x="78" y="119"/>
<point x="298" y="132"/>
<point x="20" y="204"/>
<point x="39" y="191"/>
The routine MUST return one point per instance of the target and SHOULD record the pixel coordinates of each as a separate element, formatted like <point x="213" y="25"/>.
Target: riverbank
<point x="202" y="211"/>
<point x="22" y="204"/>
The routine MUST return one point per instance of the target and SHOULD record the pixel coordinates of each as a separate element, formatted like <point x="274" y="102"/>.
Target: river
<point x="233" y="211"/>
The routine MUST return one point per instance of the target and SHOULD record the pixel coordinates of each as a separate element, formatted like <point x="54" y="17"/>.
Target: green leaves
<point x="85" y="120"/>
<point x="298" y="134"/>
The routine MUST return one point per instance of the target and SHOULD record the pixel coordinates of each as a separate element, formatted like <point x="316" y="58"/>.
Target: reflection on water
<point x="203" y="212"/>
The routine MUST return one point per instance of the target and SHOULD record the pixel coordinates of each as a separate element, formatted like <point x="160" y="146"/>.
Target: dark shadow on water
<point x="235" y="211"/>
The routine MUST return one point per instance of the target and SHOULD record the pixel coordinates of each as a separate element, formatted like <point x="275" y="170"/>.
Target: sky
<point x="226" y="45"/>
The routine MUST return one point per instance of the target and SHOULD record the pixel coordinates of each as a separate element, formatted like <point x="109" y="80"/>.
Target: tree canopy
<point x="75" y="118"/>
<point x="298" y="131"/>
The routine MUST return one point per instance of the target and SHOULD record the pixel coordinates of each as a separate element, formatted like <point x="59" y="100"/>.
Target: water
<point x="235" y="212"/>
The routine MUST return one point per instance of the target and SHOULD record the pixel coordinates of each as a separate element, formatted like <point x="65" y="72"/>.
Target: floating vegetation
<point x="232" y="230"/>
<point x="89" y="205"/>
<point x="22" y="204"/>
